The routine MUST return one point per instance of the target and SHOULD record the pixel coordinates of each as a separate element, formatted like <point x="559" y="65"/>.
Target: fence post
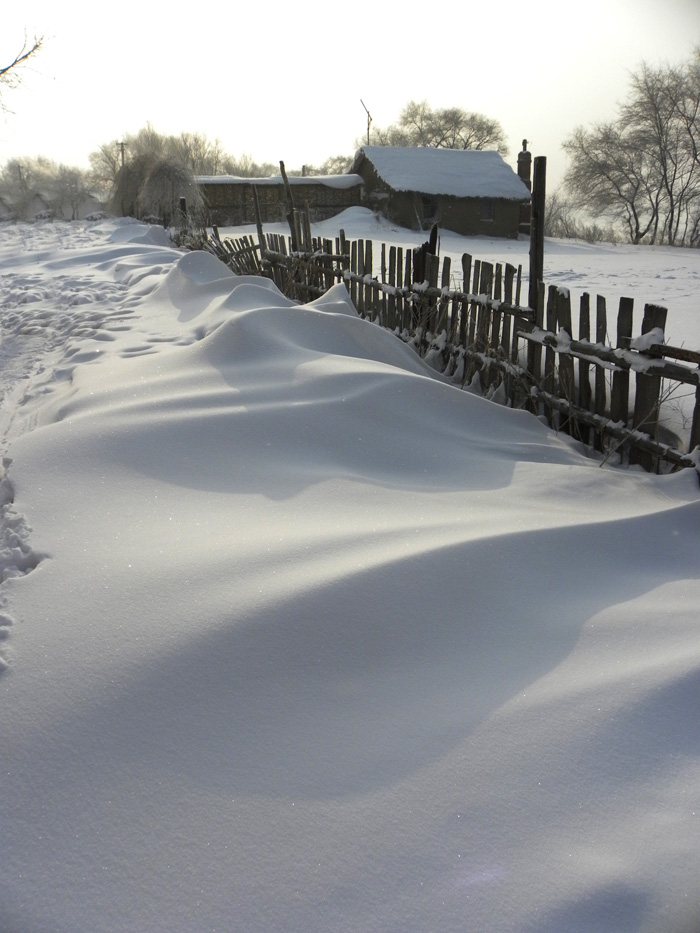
<point x="370" y="299"/>
<point x="550" y="357"/>
<point x="646" y="402"/>
<point x="584" y="334"/>
<point x="565" y="363"/>
<point x="290" y="209"/>
<point x="695" y="429"/>
<point x="259" y="226"/>
<point x="534" y="350"/>
<point x="539" y="187"/>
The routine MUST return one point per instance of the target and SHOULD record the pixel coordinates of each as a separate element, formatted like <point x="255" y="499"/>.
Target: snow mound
<point x="136" y="232"/>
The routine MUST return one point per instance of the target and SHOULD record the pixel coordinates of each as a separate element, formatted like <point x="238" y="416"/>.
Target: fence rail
<point x="469" y="323"/>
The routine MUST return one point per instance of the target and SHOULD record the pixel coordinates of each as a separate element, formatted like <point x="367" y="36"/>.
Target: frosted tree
<point x="643" y="169"/>
<point x="166" y="183"/>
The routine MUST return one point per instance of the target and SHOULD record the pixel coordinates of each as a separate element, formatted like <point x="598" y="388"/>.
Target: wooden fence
<point x="470" y="324"/>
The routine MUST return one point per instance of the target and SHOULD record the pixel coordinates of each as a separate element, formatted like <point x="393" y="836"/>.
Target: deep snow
<point x="301" y="638"/>
<point x="662" y="275"/>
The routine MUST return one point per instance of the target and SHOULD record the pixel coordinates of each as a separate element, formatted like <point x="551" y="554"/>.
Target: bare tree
<point x="105" y="164"/>
<point x="564" y="222"/>
<point x="446" y="128"/>
<point x="658" y="94"/>
<point x="333" y="165"/>
<point x="612" y="174"/>
<point x="246" y="167"/>
<point x="203" y="156"/>
<point x="11" y="74"/>
<point x="71" y="190"/>
<point x="643" y="169"/>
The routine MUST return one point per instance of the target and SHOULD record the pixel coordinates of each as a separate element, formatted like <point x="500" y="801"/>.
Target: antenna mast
<point x="369" y="119"/>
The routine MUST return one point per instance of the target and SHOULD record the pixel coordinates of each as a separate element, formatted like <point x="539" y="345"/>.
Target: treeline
<point x="143" y="174"/>
<point x="37" y="187"/>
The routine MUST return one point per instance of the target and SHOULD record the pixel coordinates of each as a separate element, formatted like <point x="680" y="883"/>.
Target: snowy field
<point x="298" y="638"/>
<point x="653" y="274"/>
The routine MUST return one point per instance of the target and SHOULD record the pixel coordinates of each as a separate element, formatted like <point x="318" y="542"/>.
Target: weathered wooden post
<point x="258" y="220"/>
<point x="290" y="209"/>
<point x="525" y="175"/>
<point x="648" y="390"/>
<point x="695" y="428"/>
<point x="539" y="187"/>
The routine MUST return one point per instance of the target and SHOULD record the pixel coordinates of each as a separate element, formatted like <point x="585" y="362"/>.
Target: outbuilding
<point x="469" y="191"/>
<point x="229" y="199"/>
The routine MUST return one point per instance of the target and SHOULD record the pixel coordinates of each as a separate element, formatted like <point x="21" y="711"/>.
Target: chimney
<point x="525" y="175"/>
<point x="525" y="166"/>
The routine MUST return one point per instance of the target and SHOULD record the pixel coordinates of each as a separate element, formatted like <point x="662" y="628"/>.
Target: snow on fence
<point x="479" y="335"/>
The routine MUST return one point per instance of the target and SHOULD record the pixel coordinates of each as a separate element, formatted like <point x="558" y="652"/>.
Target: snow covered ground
<point x="299" y="638"/>
<point x="655" y="274"/>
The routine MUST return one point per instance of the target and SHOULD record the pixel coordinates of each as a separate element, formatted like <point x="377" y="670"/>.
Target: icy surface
<point x="299" y="638"/>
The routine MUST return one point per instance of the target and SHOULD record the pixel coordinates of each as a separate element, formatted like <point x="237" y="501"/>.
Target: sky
<point x="289" y="84"/>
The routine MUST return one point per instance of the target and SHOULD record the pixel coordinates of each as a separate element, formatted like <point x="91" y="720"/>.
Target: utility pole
<point x="369" y="119"/>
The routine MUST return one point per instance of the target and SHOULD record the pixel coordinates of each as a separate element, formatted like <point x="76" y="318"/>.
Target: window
<point x="487" y="209"/>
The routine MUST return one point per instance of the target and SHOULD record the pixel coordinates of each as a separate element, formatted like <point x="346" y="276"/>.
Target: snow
<point x="652" y="338"/>
<point x="470" y="173"/>
<point x="298" y="637"/>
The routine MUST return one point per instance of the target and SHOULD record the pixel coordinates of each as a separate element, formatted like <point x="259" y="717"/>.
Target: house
<point x="37" y="206"/>
<point x="229" y="199"/>
<point x="469" y="191"/>
<point x="80" y="206"/>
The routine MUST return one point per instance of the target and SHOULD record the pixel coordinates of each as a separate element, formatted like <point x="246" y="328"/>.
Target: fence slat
<point x="600" y="397"/>
<point x="620" y="391"/>
<point x="566" y="362"/>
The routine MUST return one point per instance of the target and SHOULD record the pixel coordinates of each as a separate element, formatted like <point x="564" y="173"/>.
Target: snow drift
<point x="301" y="638"/>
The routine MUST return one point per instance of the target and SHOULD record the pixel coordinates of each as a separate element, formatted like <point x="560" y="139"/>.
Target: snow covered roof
<point x="463" y="173"/>
<point x="330" y="181"/>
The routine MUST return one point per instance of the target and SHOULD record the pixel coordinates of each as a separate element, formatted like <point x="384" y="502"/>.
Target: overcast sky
<point x="284" y="81"/>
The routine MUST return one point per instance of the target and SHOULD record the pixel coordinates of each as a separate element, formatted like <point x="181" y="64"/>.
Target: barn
<point x="469" y="191"/>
